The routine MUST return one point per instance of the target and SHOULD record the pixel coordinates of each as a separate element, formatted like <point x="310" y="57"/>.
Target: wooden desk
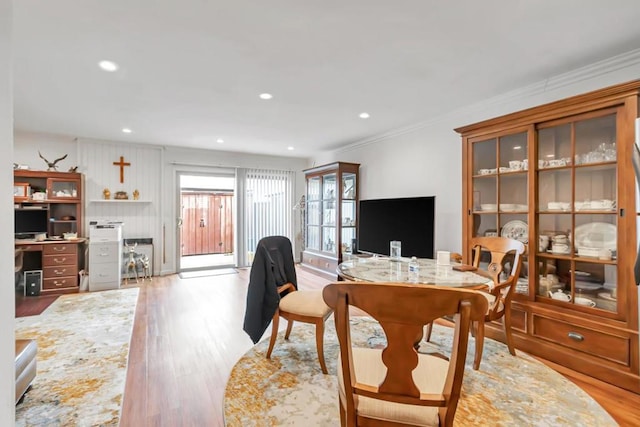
<point x="382" y="269"/>
<point x="59" y="261"/>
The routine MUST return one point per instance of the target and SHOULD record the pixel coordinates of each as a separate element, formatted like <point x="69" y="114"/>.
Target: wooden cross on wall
<point x="122" y="164"/>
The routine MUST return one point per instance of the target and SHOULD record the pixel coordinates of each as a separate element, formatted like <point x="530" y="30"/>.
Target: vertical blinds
<point x="268" y="206"/>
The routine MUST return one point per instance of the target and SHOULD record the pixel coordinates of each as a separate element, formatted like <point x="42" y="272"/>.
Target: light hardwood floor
<point x="188" y="335"/>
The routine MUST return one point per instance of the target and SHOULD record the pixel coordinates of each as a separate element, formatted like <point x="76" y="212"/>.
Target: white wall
<point x="427" y="159"/>
<point x="7" y="306"/>
<point x="50" y="146"/>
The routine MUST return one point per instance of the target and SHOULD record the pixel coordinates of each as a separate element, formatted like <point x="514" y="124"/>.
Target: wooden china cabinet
<point x="331" y="218"/>
<point x="559" y="177"/>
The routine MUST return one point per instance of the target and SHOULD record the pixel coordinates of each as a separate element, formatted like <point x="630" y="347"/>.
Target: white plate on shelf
<point x="588" y="252"/>
<point x="516" y="229"/>
<point x="606" y="296"/>
<point x="587" y="286"/>
<point x="597" y="235"/>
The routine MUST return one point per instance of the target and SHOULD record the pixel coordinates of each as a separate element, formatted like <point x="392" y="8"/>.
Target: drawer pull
<point x="61" y="283"/>
<point x="60" y="273"/>
<point x="575" y="336"/>
<point x="59" y="261"/>
<point x="59" y="248"/>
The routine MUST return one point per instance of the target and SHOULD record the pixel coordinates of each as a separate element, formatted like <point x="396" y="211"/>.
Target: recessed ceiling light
<point x="266" y="96"/>
<point x="290" y="148"/>
<point x="219" y="140"/>
<point x="517" y="147"/>
<point x="364" y="115"/>
<point x="126" y="130"/>
<point x="109" y="66"/>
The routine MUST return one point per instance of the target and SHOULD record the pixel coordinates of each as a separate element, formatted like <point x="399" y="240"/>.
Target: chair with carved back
<point x="506" y="256"/>
<point x="397" y="385"/>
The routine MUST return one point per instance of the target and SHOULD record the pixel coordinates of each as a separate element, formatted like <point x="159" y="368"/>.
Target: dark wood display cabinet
<point x="331" y="218"/>
<point x="559" y="178"/>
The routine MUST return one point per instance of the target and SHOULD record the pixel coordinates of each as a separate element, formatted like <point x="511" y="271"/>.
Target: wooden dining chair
<point x="397" y="385"/>
<point x="274" y="268"/>
<point x="505" y="255"/>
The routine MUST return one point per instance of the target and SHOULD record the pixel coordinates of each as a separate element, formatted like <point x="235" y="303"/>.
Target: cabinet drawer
<point x="30" y="248"/>
<point x="60" y="282"/>
<point x="59" y="259"/>
<point x="607" y="346"/>
<point x="106" y="272"/>
<point x="59" y="271"/>
<point x="326" y="264"/>
<point x="62" y="248"/>
<point x="104" y="252"/>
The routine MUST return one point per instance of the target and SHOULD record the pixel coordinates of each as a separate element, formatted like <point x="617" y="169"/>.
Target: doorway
<point x="207" y="221"/>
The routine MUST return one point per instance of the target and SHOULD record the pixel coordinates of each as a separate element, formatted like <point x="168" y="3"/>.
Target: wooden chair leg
<point x="320" y="344"/>
<point x="427" y="331"/>
<point x="506" y="324"/>
<point x="479" y="327"/>
<point x="343" y="415"/>
<point x="289" y="326"/>
<point x="274" y="333"/>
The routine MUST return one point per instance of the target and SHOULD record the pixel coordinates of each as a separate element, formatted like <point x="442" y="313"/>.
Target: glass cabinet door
<point x="348" y="211"/>
<point x="314" y="212"/>
<point x="329" y="213"/>
<point x="501" y="189"/>
<point x="577" y="213"/>
<point x="62" y="189"/>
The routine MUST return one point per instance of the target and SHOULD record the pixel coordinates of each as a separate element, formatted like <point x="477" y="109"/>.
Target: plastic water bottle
<point x="414" y="270"/>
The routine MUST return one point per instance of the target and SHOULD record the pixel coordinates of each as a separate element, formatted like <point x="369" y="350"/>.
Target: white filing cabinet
<point x="105" y="260"/>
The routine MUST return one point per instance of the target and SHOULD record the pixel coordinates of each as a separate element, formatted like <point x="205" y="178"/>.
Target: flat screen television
<point x="410" y="220"/>
<point x="30" y="221"/>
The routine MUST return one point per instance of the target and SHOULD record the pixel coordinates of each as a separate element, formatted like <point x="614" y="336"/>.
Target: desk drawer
<point x="60" y="248"/>
<point x="60" y="282"/>
<point x="60" y="271"/>
<point x="30" y="248"/>
<point x="59" y="259"/>
<point x="601" y="344"/>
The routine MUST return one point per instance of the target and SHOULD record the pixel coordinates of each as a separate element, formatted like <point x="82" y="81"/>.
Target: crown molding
<point x="609" y="65"/>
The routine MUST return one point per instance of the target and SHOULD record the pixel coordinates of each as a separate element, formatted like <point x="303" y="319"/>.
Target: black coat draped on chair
<point x="273" y="265"/>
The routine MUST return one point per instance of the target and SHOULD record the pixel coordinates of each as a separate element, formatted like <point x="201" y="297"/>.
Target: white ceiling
<point x="191" y="70"/>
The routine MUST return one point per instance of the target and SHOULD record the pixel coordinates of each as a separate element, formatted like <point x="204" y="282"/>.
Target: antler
<point x="61" y="158"/>
<point x="42" y="157"/>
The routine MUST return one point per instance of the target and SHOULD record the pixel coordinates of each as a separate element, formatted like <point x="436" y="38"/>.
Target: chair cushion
<point x="305" y="303"/>
<point x="429" y="376"/>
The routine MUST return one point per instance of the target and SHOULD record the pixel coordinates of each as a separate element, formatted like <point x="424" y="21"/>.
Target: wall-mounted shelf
<point x="118" y="201"/>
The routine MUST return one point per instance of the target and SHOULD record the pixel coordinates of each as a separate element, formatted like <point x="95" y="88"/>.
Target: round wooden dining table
<point x="384" y="269"/>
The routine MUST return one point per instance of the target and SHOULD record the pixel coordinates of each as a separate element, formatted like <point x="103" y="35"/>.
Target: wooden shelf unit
<point x="580" y="184"/>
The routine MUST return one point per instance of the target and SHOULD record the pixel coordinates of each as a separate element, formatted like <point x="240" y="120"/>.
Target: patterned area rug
<point x="83" y="347"/>
<point x="291" y="390"/>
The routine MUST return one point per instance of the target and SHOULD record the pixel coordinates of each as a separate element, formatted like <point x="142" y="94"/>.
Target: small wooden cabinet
<point x="559" y="178"/>
<point x="57" y="193"/>
<point x="331" y="215"/>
